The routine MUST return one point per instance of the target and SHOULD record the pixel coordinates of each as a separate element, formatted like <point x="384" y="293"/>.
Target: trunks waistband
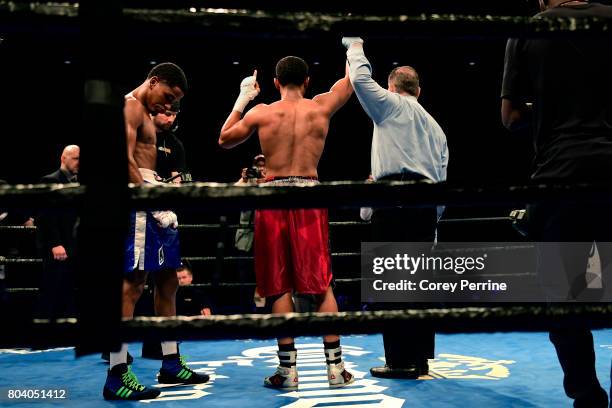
<point x="291" y="180"/>
<point x="282" y="178"/>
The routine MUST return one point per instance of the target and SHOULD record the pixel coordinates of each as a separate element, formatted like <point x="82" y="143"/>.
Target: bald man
<point x="407" y="145"/>
<point x="55" y="238"/>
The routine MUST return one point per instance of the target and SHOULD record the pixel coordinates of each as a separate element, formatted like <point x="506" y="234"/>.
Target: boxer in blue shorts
<point x="152" y="245"/>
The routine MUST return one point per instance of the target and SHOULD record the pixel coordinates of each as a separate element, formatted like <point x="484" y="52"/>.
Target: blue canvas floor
<point x="470" y="370"/>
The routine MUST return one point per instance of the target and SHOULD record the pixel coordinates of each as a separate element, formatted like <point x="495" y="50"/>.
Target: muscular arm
<point x="133" y="120"/>
<point x="338" y="95"/>
<point x="236" y="130"/>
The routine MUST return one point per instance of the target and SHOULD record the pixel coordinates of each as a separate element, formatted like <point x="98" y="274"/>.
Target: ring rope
<point x="16" y="260"/>
<point x="518" y="246"/>
<point x="397" y="24"/>
<point x="449" y="320"/>
<point x="250" y="226"/>
<point x="253" y="284"/>
<point x="226" y="197"/>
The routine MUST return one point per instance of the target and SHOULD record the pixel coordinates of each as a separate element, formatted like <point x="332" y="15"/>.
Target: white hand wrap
<point x="165" y="219"/>
<point x="348" y="41"/>
<point x="248" y="92"/>
<point x="365" y="213"/>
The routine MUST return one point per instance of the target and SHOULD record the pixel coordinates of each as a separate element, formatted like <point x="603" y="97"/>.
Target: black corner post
<point x="104" y="213"/>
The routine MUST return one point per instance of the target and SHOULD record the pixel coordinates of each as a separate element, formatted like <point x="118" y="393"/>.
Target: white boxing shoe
<point x="285" y="378"/>
<point x="338" y="376"/>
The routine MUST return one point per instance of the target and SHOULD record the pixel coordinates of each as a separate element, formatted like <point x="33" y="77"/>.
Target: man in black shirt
<point x="170" y="151"/>
<point x="171" y="165"/>
<point x="569" y="83"/>
<point x="190" y="300"/>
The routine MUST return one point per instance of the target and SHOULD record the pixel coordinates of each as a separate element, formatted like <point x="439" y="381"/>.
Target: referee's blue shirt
<point x="406" y="138"/>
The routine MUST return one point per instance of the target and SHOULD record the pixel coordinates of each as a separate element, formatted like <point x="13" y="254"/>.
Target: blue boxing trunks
<point x="150" y="247"/>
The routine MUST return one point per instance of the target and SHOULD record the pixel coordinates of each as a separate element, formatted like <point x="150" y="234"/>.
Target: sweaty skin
<point x="292" y="131"/>
<point x="151" y="98"/>
<point x="141" y="138"/>
<point x="292" y="135"/>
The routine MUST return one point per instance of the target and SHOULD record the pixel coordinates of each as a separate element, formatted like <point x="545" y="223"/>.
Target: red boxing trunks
<point x="292" y="247"/>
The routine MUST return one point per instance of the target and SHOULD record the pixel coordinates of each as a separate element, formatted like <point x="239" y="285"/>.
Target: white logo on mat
<point x="314" y="389"/>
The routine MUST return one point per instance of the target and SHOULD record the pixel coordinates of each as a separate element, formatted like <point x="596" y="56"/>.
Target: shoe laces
<point x="131" y="381"/>
<point x="284" y="371"/>
<point x="339" y="366"/>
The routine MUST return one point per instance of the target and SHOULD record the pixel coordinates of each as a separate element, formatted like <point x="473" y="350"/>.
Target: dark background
<point x="41" y="66"/>
<point x="461" y="79"/>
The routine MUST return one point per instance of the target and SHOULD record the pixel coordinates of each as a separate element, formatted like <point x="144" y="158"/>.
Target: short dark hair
<point x="185" y="266"/>
<point x="405" y="79"/>
<point x="170" y="73"/>
<point x="291" y="71"/>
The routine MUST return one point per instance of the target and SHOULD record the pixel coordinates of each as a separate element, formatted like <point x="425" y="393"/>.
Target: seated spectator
<point x="190" y="300"/>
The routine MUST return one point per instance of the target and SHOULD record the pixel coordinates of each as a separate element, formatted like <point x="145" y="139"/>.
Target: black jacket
<point x="56" y="228"/>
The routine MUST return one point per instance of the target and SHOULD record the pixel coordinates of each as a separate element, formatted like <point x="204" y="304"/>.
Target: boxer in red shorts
<point x="291" y="246"/>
